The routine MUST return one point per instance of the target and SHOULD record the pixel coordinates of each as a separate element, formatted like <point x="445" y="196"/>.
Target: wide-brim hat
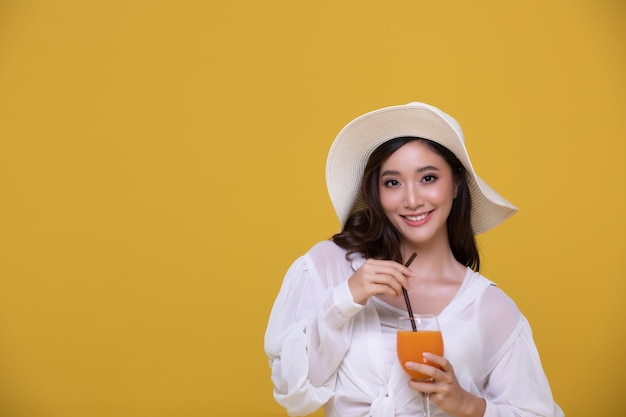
<point x="355" y="143"/>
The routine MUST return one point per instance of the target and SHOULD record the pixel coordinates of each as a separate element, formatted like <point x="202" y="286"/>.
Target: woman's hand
<point x="378" y="277"/>
<point x="445" y="390"/>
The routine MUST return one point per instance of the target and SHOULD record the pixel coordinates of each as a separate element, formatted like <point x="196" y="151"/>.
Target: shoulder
<point x="329" y="261"/>
<point x="497" y="306"/>
<point x="327" y="248"/>
<point x="325" y="252"/>
<point x="495" y="296"/>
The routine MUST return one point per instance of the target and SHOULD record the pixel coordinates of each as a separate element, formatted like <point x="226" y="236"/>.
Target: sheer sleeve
<point x="308" y="332"/>
<point x="516" y="385"/>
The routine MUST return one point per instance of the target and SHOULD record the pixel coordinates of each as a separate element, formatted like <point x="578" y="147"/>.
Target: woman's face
<point x="417" y="188"/>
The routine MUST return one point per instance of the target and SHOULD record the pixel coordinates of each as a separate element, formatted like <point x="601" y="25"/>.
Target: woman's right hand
<point x="378" y="277"/>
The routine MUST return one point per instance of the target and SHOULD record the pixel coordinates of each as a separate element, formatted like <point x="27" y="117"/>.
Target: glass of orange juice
<point x="418" y="334"/>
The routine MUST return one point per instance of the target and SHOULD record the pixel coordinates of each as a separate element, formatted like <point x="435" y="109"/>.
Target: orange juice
<point x="412" y="345"/>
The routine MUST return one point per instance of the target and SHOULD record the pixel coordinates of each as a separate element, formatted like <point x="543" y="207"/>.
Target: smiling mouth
<point x="416" y="218"/>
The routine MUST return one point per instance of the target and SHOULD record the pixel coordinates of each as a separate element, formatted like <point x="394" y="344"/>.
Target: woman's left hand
<point x="445" y="390"/>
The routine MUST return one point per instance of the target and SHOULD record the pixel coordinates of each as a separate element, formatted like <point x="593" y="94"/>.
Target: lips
<point x="416" y="218"/>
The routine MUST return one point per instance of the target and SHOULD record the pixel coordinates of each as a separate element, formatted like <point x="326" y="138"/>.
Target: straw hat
<point x="358" y="139"/>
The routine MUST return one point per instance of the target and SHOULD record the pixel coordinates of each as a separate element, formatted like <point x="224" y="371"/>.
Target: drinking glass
<point x="418" y="334"/>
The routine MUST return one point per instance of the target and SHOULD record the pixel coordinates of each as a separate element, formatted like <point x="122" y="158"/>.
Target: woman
<point x="401" y="182"/>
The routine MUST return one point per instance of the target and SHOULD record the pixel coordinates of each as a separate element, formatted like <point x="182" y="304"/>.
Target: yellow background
<point x="162" y="164"/>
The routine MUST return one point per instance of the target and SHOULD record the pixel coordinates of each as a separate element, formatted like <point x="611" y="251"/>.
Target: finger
<point x="394" y="265"/>
<point x="383" y="284"/>
<point x="423" y="386"/>
<point x="443" y="371"/>
<point x="384" y="289"/>
<point x="396" y="271"/>
<point x="422" y="368"/>
<point x="442" y="362"/>
<point x="386" y="273"/>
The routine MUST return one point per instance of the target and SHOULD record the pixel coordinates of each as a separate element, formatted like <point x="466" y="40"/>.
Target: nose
<point x="412" y="197"/>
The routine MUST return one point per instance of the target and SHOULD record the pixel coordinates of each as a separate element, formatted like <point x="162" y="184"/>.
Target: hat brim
<point x="355" y="143"/>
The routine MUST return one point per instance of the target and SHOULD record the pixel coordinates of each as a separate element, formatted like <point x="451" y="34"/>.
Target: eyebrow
<point x="419" y="170"/>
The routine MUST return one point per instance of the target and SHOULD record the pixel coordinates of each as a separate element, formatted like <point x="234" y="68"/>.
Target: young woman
<point x="401" y="182"/>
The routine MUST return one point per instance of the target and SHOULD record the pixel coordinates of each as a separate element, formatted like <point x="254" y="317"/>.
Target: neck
<point x="435" y="260"/>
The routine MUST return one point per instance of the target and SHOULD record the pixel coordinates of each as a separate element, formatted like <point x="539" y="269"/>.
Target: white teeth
<point x="416" y="218"/>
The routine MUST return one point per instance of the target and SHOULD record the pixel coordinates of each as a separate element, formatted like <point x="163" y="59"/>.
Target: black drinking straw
<point x="406" y="295"/>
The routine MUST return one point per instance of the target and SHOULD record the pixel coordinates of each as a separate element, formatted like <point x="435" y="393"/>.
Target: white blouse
<point x="327" y="351"/>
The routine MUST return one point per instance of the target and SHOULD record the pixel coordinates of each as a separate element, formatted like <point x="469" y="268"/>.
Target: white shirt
<point x="327" y="351"/>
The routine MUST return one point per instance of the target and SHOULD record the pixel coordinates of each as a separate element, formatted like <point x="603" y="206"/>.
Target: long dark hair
<point x="368" y="230"/>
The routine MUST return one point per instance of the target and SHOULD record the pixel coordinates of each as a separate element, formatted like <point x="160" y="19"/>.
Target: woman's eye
<point x="429" y="178"/>
<point x="391" y="183"/>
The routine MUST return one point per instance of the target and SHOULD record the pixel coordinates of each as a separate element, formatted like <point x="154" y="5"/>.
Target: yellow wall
<point x="162" y="163"/>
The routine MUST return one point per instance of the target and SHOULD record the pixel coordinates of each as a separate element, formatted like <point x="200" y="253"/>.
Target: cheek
<point x="441" y="196"/>
<point x="388" y="200"/>
<point x="385" y="204"/>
